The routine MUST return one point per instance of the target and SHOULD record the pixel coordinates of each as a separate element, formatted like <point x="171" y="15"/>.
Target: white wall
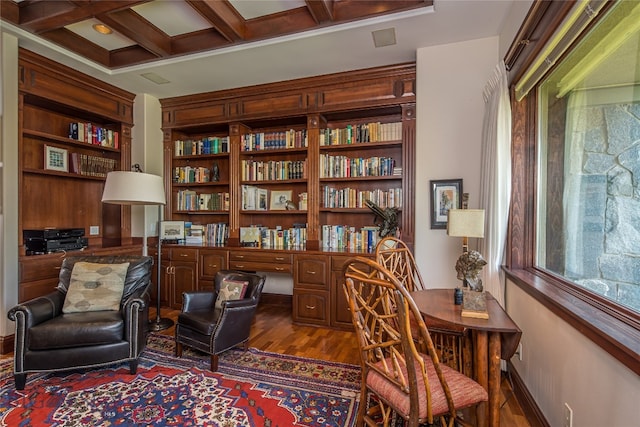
<point x="559" y="364"/>
<point x="147" y="150"/>
<point x="450" y="109"/>
<point x="9" y="171"/>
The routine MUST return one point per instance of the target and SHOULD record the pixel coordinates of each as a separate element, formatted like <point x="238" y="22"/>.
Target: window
<point x="588" y="218"/>
<point x="574" y="231"/>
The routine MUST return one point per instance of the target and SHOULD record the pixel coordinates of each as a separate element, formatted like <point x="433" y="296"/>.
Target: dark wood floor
<point x="274" y="331"/>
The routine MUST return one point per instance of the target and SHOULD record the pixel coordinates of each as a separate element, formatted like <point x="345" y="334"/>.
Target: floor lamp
<point x="138" y="188"/>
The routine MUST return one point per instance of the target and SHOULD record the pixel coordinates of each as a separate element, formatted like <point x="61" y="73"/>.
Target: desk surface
<point x="438" y="304"/>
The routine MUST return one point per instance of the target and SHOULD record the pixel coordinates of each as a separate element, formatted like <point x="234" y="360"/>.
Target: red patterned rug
<point x="252" y="388"/>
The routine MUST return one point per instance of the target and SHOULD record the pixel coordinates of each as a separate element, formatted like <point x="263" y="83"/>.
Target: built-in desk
<point x="318" y="298"/>
<point x="494" y="339"/>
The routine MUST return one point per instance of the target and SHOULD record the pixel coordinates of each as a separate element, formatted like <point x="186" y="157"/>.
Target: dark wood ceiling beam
<point x="321" y="10"/>
<point x="79" y="45"/>
<point x="222" y="16"/>
<point x="130" y="55"/>
<point x="278" y="24"/>
<point x="42" y="16"/>
<point x="198" y="41"/>
<point x="131" y="25"/>
<point x="350" y="10"/>
<point x="10" y="12"/>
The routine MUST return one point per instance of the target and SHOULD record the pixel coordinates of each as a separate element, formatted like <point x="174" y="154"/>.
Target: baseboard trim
<point x="529" y="406"/>
<point x="6" y="344"/>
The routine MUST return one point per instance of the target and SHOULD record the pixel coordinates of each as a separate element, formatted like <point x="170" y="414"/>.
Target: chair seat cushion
<point x="464" y="391"/>
<point x="77" y="330"/>
<point x="202" y="321"/>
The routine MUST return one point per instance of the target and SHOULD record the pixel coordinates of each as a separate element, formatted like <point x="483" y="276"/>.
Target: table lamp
<point x="467" y="223"/>
<point x="138" y="188"/>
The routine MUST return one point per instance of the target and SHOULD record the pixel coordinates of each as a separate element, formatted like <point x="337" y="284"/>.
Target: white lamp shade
<point x="133" y="188"/>
<point x="465" y="223"/>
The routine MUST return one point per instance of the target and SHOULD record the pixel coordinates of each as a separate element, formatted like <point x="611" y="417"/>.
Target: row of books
<point x="344" y="237"/>
<point x="353" y="198"/>
<point x="189" y="174"/>
<point x="94" y="135"/>
<point x="345" y="167"/>
<point x="189" y="200"/>
<point x="84" y="164"/>
<point x="208" y="145"/>
<point x="365" y="132"/>
<point x="214" y="234"/>
<point x="294" y="238"/>
<point x="274" y="140"/>
<point x="252" y="170"/>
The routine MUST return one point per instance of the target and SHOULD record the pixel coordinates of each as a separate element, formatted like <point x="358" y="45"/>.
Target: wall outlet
<point x="94" y="230"/>
<point x="568" y="416"/>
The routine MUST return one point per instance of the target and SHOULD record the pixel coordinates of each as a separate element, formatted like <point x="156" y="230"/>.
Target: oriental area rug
<point x="252" y="388"/>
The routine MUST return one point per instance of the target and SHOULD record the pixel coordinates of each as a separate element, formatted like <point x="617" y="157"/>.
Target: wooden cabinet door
<point x="340" y="313"/>
<point x="311" y="306"/>
<point x="185" y="279"/>
<point x="211" y="261"/>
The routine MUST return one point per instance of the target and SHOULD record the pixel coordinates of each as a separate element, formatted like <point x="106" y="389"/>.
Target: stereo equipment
<point x="50" y="240"/>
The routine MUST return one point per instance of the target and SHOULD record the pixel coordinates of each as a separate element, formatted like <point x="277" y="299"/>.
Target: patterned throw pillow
<point x="95" y="287"/>
<point x="230" y="290"/>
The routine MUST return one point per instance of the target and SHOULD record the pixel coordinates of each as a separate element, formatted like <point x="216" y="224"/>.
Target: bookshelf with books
<point x="73" y="130"/>
<point x="304" y="156"/>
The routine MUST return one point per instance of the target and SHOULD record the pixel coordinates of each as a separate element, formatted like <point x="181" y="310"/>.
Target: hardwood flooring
<point x="274" y="331"/>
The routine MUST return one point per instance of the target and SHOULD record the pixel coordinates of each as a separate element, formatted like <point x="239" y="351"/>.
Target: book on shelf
<point x="474" y="304"/>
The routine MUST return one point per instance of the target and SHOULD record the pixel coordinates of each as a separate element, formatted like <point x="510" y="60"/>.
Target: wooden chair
<point x="398" y="379"/>
<point x="453" y="344"/>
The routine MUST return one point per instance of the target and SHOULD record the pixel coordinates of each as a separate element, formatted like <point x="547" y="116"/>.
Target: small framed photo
<point x="172" y="230"/>
<point x="445" y="194"/>
<point x="279" y="200"/>
<point x="56" y="159"/>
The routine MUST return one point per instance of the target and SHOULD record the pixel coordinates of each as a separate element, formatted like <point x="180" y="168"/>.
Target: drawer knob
<point x="240" y="265"/>
<point x="310" y="307"/>
<point x="213" y="265"/>
<point x="279" y="268"/>
<point x="279" y="258"/>
<point x="184" y="255"/>
<point x="240" y="256"/>
<point x="311" y="272"/>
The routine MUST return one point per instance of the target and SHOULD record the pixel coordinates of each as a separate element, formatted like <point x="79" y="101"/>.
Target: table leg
<point x="495" y="377"/>
<point x="482" y="372"/>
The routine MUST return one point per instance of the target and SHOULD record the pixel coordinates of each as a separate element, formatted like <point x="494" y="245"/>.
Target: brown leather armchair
<point x="46" y="339"/>
<point x="215" y="330"/>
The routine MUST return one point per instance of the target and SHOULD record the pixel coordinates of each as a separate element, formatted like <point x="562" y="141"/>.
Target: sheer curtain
<point x="495" y="178"/>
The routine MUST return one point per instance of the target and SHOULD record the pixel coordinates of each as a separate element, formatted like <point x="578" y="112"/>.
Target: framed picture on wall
<point x="445" y="194"/>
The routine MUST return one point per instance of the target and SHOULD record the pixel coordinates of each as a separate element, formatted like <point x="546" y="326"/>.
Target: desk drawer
<point x="260" y="256"/>
<point x="184" y="254"/>
<point x="259" y="266"/>
<point x="47" y="268"/>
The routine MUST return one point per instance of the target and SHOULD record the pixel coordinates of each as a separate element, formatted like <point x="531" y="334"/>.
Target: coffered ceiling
<point x="177" y="47"/>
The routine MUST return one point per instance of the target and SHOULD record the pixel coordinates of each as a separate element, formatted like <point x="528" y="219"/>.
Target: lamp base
<point x="160" y="324"/>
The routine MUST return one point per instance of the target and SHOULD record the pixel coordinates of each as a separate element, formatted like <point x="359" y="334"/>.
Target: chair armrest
<point x="39" y="309"/>
<point x="197" y="300"/>
<point x="138" y="300"/>
<point x="239" y="303"/>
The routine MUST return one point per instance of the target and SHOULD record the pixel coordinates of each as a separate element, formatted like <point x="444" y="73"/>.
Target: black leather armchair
<point x="211" y="330"/>
<point x="46" y="339"/>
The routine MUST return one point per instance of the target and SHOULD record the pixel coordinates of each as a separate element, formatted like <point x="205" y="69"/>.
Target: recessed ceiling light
<point x="384" y="37"/>
<point x="102" y="29"/>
